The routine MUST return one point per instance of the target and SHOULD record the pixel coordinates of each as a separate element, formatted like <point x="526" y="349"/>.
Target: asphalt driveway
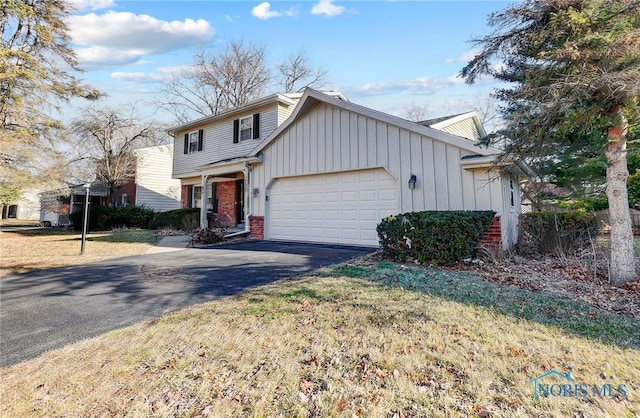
<point x="44" y="310"/>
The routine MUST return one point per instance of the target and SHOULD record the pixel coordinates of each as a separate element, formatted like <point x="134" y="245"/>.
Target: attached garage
<point x="341" y="208"/>
<point x="334" y="169"/>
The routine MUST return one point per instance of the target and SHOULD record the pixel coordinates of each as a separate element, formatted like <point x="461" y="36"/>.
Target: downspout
<point x="248" y="202"/>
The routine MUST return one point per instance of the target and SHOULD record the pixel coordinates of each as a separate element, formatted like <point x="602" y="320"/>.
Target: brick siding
<point x="184" y="196"/>
<point x="227" y="203"/>
<point x="256" y="227"/>
<point x="492" y="239"/>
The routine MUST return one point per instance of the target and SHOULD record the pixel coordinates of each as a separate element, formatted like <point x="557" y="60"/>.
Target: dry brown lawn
<point x="377" y="341"/>
<point x="40" y="248"/>
<point x="367" y="339"/>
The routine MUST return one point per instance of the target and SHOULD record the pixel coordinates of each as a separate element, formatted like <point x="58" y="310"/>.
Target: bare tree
<point x="219" y="80"/>
<point x="233" y="76"/>
<point x="416" y="113"/>
<point x="107" y="139"/>
<point x="297" y="73"/>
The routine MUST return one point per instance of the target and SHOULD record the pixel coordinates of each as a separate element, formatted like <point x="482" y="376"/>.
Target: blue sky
<point x="387" y="55"/>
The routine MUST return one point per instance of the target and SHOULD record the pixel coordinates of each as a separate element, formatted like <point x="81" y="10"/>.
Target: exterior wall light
<point x="412" y="181"/>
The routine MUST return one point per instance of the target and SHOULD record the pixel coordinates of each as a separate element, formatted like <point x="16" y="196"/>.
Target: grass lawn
<point x="40" y="248"/>
<point x="379" y="340"/>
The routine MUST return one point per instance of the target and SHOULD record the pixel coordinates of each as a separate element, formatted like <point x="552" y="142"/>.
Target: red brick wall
<point x="184" y="196"/>
<point x="492" y="239"/>
<point x="129" y="188"/>
<point x="256" y="227"/>
<point x="226" y="191"/>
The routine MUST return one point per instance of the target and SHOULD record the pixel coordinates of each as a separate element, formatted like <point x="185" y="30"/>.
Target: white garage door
<point x="341" y="208"/>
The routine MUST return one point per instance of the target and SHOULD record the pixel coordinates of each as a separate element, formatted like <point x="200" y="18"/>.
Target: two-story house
<point x="314" y="167"/>
<point x="211" y="156"/>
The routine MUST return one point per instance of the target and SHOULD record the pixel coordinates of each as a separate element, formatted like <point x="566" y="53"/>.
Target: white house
<point x="155" y="188"/>
<point x="333" y="169"/>
<point x="152" y="187"/>
<point x="27" y="208"/>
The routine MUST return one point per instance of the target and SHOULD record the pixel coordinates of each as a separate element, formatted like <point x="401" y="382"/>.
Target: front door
<point x="239" y="201"/>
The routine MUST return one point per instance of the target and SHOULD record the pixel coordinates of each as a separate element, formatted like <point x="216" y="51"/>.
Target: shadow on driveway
<point x="47" y="309"/>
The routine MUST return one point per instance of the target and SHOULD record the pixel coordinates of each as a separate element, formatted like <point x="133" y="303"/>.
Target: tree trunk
<point x="622" y="252"/>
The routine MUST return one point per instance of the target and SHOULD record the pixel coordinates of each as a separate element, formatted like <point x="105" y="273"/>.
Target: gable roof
<point x="312" y="98"/>
<point x="442" y="123"/>
<point x="286" y="99"/>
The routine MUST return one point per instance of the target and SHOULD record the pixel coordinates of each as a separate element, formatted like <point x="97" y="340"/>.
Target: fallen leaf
<point x="342" y="404"/>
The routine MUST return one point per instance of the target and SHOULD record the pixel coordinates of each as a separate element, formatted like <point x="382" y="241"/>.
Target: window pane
<point x="193" y="142"/>
<point x="197" y="196"/>
<point x="246" y="128"/>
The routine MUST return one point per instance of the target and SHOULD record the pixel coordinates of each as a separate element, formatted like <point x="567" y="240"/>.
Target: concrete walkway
<point x="170" y="243"/>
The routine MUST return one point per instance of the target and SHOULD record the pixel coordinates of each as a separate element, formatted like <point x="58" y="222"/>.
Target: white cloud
<point x="327" y="8"/>
<point x="420" y="85"/>
<point x="464" y="57"/>
<point x="291" y="12"/>
<point x="80" y="5"/>
<point x="416" y="86"/>
<point x="263" y="11"/>
<point x="162" y="74"/>
<point x="117" y="38"/>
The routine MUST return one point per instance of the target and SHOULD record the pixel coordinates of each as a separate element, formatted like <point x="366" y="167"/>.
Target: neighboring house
<point x="466" y="125"/>
<point x="153" y="187"/>
<point x="333" y="169"/>
<point x="27" y="208"/>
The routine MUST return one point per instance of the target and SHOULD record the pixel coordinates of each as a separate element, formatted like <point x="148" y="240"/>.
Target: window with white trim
<point x="193" y="141"/>
<point x="197" y="197"/>
<point x="246" y="128"/>
<point x="512" y="200"/>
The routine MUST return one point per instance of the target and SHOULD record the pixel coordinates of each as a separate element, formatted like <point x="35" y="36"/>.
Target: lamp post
<point x="86" y="218"/>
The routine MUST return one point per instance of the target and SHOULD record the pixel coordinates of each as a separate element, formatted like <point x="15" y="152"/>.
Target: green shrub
<point x="102" y="218"/>
<point x="556" y="232"/>
<point x="585" y="204"/>
<point x="184" y="219"/>
<point x="442" y="237"/>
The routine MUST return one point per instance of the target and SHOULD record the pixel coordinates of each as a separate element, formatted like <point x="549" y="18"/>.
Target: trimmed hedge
<point x="438" y="237"/>
<point x="556" y="232"/>
<point x="103" y="218"/>
<point x="184" y="219"/>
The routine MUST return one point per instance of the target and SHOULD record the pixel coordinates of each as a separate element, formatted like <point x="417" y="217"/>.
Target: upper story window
<point x="246" y="128"/>
<point x="193" y="141"/>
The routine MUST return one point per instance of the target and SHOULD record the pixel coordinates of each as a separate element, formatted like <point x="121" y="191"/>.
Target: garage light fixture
<point x="412" y="181"/>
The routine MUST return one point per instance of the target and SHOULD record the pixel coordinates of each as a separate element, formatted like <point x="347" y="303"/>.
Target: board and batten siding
<point x="155" y="188"/>
<point x="218" y="141"/>
<point x="330" y="139"/>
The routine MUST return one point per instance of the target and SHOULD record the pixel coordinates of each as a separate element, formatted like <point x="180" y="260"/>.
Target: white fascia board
<point x="275" y="98"/>
<point x="312" y="97"/>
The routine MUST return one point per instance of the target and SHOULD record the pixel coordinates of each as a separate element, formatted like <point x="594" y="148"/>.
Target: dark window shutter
<point x="256" y="126"/>
<point x="200" y="139"/>
<point x="190" y="197"/>
<point x="236" y="130"/>
<point x="186" y="143"/>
